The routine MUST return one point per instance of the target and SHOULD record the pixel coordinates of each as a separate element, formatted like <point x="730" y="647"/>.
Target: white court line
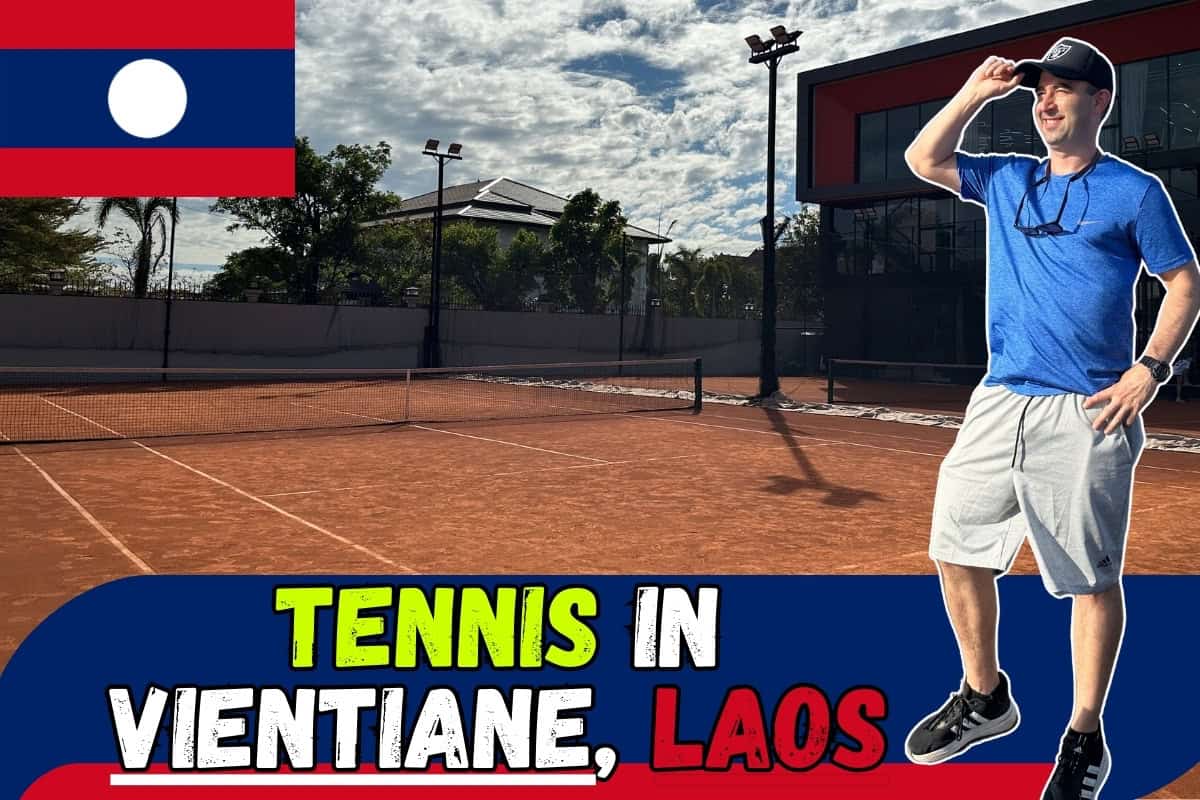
<point x="351" y="780"/>
<point x="337" y="538"/>
<point x="1168" y="469"/>
<point x="465" y="478"/>
<point x="1167" y="486"/>
<point x="844" y="430"/>
<point x="347" y="413"/>
<point x="510" y="444"/>
<point x="870" y="564"/>
<point x="82" y="417"/>
<point x="1184" y="502"/>
<point x="797" y="435"/>
<point x="83" y="512"/>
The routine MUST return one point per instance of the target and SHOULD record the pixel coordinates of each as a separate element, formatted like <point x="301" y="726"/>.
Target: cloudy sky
<point x="650" y="102"/>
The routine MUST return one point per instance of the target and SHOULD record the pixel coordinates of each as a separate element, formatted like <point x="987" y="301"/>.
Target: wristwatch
<point x="1161" y="370"/>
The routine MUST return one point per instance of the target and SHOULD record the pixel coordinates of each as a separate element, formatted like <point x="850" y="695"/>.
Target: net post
<point x="698" y="405"/>
<point x="407" y="395"/>
<point x="829" y="380"/>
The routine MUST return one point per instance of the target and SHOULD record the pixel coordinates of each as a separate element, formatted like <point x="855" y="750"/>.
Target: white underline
<point x="375" y="779"/>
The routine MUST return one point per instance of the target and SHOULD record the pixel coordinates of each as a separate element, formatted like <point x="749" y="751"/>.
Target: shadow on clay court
<point x="811" y="480"/>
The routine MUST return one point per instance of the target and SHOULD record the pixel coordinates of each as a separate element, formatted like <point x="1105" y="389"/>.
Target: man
<point x="1051" y="436"/>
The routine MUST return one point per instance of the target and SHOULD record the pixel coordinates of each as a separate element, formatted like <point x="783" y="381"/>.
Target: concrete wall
<point x="98" y="331"/>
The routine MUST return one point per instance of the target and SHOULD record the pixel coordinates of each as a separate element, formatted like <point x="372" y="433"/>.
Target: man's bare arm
<point x="931" y="156"/>
<point x="1176" y="318"/>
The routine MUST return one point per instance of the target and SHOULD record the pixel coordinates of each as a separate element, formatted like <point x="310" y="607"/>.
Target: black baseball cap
<point x="1070" y="59"/>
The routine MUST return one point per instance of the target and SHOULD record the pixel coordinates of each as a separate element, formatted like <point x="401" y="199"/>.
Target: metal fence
<point x="453" y="297"/>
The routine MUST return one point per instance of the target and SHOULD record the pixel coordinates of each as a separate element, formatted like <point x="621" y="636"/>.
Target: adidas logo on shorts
<point x="1105" y="563"/>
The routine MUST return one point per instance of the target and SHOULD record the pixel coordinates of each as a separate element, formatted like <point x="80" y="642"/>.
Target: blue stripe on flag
<point x="59" y="98"/>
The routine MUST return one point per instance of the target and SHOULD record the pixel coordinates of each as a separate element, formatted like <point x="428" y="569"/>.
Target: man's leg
<point x="1097" y="623"/>
<point x="983" y="709"/>
<point x="972" y="604"/>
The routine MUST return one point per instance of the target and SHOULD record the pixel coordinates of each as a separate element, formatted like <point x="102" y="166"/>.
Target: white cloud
<point x="493" y="75"/>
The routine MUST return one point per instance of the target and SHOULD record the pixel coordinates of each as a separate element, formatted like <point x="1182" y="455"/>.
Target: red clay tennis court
<point x="731" y="489"/>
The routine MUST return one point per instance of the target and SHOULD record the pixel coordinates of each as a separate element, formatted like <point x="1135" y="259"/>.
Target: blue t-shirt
<point x="1060" y="308"/>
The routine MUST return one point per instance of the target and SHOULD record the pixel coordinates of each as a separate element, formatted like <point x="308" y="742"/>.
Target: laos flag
<point x="126" y="98"/>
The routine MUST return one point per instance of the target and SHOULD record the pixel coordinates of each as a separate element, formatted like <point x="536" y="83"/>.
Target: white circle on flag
<point x="147" y="98"/>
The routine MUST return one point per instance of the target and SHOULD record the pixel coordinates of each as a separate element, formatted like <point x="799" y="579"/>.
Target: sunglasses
<point x="1051" y="228"/>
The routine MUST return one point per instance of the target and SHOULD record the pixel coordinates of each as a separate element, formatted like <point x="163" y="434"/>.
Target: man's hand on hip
<point x="1125" y="399"/>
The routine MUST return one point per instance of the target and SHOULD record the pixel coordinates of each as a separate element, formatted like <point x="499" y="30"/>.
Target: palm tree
<point x="685" y="271"/>
<point x="147" y="215"/>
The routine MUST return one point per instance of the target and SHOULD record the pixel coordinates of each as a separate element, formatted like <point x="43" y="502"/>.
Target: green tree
<point x="583" y="240"/>
<point x="397" y="256"/>
<point x="745" y="284"/>
<point x="684" y="270"/>
<point x="34" y="238"/>
<point x="149" y="217"/>
<point x="471" y="257"/>
<point x="266" y="268"/>
<point x="318" y="228"/>
<point x="525" y="260"/>
<point x="800" y="292"/>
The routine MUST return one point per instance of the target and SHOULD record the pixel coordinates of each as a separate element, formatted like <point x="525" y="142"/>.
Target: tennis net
<point x="904" y="384"/>
<point x="55" y="404"/>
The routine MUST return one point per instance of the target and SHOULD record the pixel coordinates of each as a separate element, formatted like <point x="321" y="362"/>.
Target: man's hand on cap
<point x="995" y="77"/>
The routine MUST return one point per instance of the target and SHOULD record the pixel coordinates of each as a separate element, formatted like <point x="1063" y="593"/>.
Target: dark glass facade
<point x="909" y="271"/>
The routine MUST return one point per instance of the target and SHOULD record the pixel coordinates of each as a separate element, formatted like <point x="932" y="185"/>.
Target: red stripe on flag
<point x="886" y="782"/>
<point x="91" y="25"/>
<point x="149" y="171"/>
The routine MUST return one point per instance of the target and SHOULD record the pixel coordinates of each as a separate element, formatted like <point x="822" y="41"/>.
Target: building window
<point x="900" y="253"/>
<point x="1012" y="123"/>
<point x="903" y="125"/>
<point x="1143" y="100"/>
<point x="872" y="147"/>
<point x="931" y="108"/>
<point x="1183" y="88"/>
<point x="978" y="136"/>
<point x="937" y="235"/>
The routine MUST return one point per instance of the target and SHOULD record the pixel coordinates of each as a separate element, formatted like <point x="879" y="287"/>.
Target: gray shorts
<point x="1033" y="467"/>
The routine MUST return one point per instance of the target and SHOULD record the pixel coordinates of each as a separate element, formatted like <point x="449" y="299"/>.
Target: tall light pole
<point x="170" y="286"/>
<point x="621" y="309"/>
<point x="781" y="44"/>
<point x="431" y="349"/>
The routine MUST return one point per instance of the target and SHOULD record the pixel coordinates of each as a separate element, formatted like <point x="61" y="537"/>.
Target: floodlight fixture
<point x="782" y="43"/>
<point x="782" y="36"/>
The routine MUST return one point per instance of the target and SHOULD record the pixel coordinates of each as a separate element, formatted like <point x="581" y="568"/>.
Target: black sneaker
<point x="967" y="719"/>
<point x="1082" y="767"/>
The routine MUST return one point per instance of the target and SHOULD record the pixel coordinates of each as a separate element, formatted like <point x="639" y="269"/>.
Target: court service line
<point x="1184" y="502"/>
<point x="347" y="413"/>
<point x="1168" y="469"/>
<point x="452" y="433"/>
<point x="82" y="417"/>
<point x="798" y="435"/>
<point x="889" y="559"/>
<point x="1158" y="485"/>
<point x="313" y="526"/>
<point x="848" y="430"/>
<point x="483" y="477"/>
<point x="336" y="537"/>
<point x="87" y="515"/>
<point x="510" y="444"/>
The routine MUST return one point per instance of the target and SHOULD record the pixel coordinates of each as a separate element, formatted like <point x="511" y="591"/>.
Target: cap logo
<point x="1058" y="51"/>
